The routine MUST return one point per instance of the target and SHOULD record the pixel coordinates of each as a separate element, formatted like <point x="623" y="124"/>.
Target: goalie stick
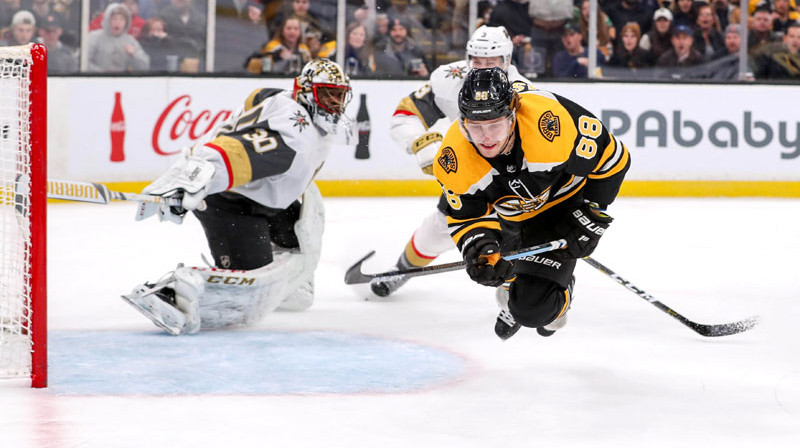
<point x="355" y="276"/>
<point x="709" y="330"/>
<point x="72" y="190"/>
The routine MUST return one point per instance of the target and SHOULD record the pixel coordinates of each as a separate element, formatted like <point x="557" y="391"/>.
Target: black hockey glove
<point x="582" y="228"/>
<point x="484" y="264"/>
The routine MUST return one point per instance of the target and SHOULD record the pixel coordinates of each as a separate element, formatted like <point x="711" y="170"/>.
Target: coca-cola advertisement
<point x="117" y="128"/>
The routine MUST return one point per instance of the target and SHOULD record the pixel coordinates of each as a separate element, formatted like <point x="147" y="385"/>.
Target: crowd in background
<point x="636" y="39"/>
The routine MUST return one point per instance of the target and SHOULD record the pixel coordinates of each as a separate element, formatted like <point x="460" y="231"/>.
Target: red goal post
<point x="23" y="213"/>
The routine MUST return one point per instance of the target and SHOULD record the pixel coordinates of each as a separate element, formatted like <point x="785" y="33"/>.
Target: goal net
<point x="23" y="330"/>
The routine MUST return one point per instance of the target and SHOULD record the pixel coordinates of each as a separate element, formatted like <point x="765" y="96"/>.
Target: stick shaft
<point x="72" y="190"/>
<point x="702" y="329"/>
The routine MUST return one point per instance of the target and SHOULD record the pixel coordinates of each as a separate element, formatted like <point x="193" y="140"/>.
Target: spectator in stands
<point x="708" y="39"/>
<point x="285" y="53"/>
<point x="732" y="42"/>
<point x="485" y="8"/>
<point x="380" y="36"/>
<point x="628" y="53"/>
<point x="659" y="39"/>
<point x="70" y="15"/>
<point x="22" y="29"/>
<point x="7" y="10"/>
<point x="573" y="60"/>
<point x="39" y="8"/>
<point x="359" y="58"/>
<point x="606" y="33"/>
<point x="301" y="10"/>
<point x="157" y="42"/>
<point x="513" y="15"/>
<point x="722" y="8"/>
<point x="761" y="30"/>
<point x="783" y="13"/>
<point x="186" y="25"/>
<point x="402" y="55"/>
<point x="60" y="58"/>
<point x="239" y="26"/>
<point x="631" y="11"/>
<point x="684" y="12"/>
<point x="681" y="54"/>
<point x="111" y="48"/>
<point x="780" y="60"/>
<point x="549" y="18"/>
<point x="725" y="67"/>
<point x="137" y="23"/>
<point x="317" y="48"/>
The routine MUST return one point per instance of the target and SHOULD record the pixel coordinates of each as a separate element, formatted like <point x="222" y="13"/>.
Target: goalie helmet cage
<point x="23" y="203"/>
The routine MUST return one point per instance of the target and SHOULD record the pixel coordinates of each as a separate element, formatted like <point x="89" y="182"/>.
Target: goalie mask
<point x="488" y="105"/>
<point x="490" y="42"/>
<point x="324" y="90"/>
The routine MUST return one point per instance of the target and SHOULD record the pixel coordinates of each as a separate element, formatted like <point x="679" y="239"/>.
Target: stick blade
<point x="727" y="329"/>
<point x="354" y="276"/>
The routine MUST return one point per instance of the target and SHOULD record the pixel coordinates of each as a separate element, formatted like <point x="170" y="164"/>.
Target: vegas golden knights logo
<point x="448" y="160"/>
<point x="549" y="126"/>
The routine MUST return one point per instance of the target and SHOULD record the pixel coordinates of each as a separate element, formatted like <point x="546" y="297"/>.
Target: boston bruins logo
<point x="549" y="126"/>
<point x="448" y="160"/>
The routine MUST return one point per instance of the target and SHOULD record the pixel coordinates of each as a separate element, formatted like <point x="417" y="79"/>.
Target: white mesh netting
<point x="15" y="226"/>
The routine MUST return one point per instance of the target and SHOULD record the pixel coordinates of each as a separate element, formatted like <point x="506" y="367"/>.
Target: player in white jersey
<point x="418" y="125"/>
<point x="250" y="184"/>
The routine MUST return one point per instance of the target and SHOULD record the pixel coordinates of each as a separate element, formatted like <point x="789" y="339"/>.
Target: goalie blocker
<point x="189" y="299"/>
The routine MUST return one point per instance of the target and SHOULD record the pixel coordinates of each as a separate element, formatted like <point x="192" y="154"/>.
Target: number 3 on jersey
<point x="590" y="128"/>
<point x="261" y="140"/>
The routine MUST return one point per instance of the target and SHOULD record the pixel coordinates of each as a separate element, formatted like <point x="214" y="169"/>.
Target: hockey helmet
<point x="323" y="89"/>
<point x="488" y="42"/>
<point x="488" y="105"/>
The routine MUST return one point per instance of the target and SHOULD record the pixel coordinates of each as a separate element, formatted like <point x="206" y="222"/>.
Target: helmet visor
<point x="332" y="98"/>
<point x="487" y="131"/>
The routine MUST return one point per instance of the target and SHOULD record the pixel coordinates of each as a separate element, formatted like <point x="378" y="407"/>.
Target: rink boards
<point x="685" y="140"/>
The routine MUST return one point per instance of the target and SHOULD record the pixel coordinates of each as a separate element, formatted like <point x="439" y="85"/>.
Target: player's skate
<point x="171" y="303"/>
<point x="559" y="323"/>
<point x="506" y="326"/>
<point x="383" y="286"/>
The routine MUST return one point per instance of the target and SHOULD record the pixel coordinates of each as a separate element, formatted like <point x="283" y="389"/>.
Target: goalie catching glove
<point x="582" y="229"/>
<point x="183" y="187"/>
<point x="481" y="252"/>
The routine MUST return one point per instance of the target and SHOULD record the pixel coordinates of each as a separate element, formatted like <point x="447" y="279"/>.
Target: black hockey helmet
<point x="487" y="94"/>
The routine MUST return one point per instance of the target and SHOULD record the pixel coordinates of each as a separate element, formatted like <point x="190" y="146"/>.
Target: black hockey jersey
<point x="562" y="154"/>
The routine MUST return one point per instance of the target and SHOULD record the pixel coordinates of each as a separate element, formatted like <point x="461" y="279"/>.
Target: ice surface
<point x="621" y="374"/>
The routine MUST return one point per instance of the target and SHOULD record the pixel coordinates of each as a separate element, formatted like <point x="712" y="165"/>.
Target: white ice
<point x="621" y="374"/>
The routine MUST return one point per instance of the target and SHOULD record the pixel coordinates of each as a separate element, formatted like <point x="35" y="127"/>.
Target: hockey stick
<point x="355" y="276"/>
<point x="72" y="190"/>
<point x="711" y="330"/>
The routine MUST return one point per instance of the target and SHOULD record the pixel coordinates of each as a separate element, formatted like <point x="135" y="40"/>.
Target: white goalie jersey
<point x="269" y="151"/>
<point x="422" y="118"/>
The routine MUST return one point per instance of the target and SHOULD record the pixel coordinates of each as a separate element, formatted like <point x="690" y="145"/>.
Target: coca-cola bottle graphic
<point x="362" y="121"/>
<point x="117" y="130"/>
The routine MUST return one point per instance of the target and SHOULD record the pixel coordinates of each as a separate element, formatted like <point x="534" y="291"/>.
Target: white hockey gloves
<point x="187" y="181"/>
<point x="425" y="149"/>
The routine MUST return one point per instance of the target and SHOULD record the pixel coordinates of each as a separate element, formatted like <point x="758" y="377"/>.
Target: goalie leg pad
<point x="241" y="297"/>
<point x="171" y="303"/>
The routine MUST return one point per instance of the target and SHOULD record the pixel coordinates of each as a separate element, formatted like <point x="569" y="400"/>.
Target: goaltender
<point x="521" y="167"/>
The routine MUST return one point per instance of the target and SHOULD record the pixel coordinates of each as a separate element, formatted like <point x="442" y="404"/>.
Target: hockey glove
<point x="582" y="228"/>
<point x="484" y="264"/>
<point x="183" y="186"/>
<point x="425" y="149"/>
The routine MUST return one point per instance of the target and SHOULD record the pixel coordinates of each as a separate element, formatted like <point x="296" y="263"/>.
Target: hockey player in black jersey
<point x="524" y="166"/>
